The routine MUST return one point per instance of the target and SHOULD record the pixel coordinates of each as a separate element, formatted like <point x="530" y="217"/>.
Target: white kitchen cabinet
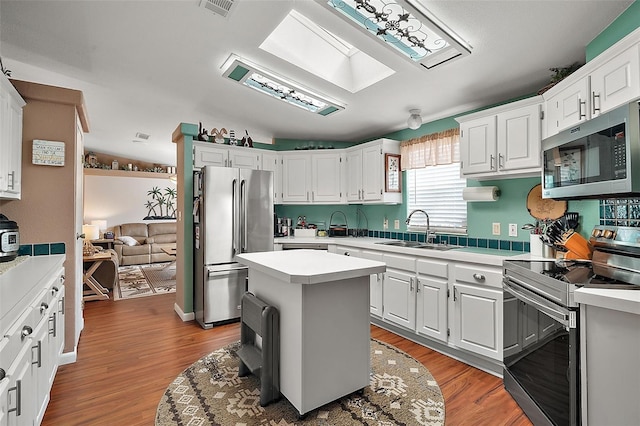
<point x="478" y="309"/>
<point x="312" y="178"/>
<point x="272" y="161"/>
<point x="375" y="283"/>
<point x="610" y="80"/>
<point x="11" y="105"/>
<point x="431" y="299"/>
<point x="211" y="154"/>
<point x="399" y="291"/>
<point x="504" y="141"/>
<point x="365" y="165"/>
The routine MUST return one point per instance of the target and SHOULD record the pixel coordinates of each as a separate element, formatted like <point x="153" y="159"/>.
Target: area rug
<point x="145" y="280"/>
<point x="401" y="392"/>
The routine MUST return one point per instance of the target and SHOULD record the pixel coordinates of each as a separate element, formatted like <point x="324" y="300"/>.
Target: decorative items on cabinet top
<point x="105" y="164"/>
<point x="218" y="136"/>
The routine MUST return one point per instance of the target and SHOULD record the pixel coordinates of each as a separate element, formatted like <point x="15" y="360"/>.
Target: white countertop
<point x="618" y="300"/>
<point x="310" y="266"/>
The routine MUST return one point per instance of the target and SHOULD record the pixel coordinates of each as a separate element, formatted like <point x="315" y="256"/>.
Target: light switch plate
<point x="496" y="228"/>
<point x="396" y="224"/>
<point x="385" y="223"/>
<point x="513" y="229"/>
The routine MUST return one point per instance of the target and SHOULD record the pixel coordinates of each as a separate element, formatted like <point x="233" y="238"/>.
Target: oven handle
<point x="555" y="314"/>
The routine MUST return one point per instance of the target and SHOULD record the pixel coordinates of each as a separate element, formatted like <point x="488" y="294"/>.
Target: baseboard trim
<point x="190" y="316"/>
<point x="68" y="357"/>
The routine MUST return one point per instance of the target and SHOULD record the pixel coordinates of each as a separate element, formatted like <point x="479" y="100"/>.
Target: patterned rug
<point x="145" y="280"/>
<point x="401" y="392"/>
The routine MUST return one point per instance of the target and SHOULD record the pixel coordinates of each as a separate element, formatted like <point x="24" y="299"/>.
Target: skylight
<point x="313" y="48"/>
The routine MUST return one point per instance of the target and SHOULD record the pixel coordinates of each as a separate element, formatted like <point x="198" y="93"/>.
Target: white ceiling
<point x="146" y="66"/>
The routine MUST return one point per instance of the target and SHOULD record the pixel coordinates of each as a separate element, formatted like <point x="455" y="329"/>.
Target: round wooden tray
<point x="544" y="208"/>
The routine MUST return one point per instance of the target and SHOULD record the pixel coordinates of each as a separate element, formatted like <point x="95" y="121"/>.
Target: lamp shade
<point x="91" y="232"/>
<point x="415" y="120"/>
<point x="101" y="224"/>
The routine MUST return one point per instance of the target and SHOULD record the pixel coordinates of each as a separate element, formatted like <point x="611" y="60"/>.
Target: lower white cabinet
<point x="375" y="283"/>
<point x="432" y="299"/>
<point x="399" y="300"/>
<point x="31" y="343"/>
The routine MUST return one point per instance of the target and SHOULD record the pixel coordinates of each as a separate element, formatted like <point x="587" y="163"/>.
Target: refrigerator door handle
<point x="213" y="272"/>
<point x="234" y="184"/>
<point x="243" y="215"/>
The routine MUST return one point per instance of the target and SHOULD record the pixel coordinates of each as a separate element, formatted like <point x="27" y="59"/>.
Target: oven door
<point x="541" y="365"/>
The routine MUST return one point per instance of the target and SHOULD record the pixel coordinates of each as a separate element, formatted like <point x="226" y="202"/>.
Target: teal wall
<point x="628" y="21"/>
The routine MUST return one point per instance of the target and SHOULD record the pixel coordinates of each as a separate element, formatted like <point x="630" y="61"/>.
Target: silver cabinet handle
<point x="593" y="102"/>
<point x="346" y="253"/>
<point x="418" y="286"/>
<point x="38" y="361"/>
<point x="54" y="290"/>
<point x="18" y="389"/>
<point x="491" y="159"/>
<point x="26" y="331"/>
<point x="455" y="293"/>
<point x="478" y="277"/>
<point x="580" y="114"/>
<point x="43" y="307"/>
<point x="501" y="161"/>
<point x="12" y="180"/>
<point x="411" y="284"/>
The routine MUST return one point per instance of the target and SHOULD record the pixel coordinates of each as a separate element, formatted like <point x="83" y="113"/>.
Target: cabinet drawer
<point x="477" y="274"/>
<point x="14" y="338"/>
<point x="371" y="255"/>
<point x="433" y="268"/>
<point x="400" y="262"/>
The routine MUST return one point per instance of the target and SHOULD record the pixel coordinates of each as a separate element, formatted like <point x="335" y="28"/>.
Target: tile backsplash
<point x="620" y="212"/>
<point x="43" y="249"/>
<point x="460" y="240"/>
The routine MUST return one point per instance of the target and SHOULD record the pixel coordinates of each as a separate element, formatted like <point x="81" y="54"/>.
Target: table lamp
<point x="101" y="224"/>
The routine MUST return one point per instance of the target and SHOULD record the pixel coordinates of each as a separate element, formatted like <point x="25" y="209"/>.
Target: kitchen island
<point x="323" y="301"/>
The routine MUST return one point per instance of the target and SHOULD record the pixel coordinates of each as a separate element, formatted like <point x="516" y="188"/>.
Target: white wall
<point x="118" y="199"/>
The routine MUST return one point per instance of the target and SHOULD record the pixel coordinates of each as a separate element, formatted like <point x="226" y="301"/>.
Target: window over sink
<point x="438" y="191"/>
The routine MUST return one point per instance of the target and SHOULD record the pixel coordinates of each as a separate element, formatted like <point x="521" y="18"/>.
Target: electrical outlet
<point x="513" y="229"/>
<point x="396" y="224"/>
<point x="496" y="228"/>
<point x="385" y="223"/>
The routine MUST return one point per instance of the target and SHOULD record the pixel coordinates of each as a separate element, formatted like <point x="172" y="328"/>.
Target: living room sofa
<point x="140" y="243"/>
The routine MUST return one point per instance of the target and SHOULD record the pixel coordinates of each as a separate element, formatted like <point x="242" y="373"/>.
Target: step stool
<point x="260" y="319"/>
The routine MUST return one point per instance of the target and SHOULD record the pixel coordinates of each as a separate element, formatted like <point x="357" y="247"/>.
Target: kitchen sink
<point x="417" y="244"/>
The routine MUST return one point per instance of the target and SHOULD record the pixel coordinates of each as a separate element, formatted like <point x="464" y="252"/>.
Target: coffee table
<point x="96" y="291"/>
<point x="171" y="252"/>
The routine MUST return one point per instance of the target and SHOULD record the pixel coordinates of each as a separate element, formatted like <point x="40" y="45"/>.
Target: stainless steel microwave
<point x="599" y="158"/>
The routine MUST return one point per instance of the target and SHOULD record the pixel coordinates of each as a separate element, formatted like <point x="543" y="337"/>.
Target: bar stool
<point x="263" y="361"/>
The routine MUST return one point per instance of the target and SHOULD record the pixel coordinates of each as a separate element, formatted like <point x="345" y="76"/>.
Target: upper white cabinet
<point x="608" y="81"/>
<point x="272" y="161"/>
<point x="312" y="177"/>
<point x="211" y="154"/>
<point x="365" y="165"/>
<point x="502" y="141"/>
<point x="10" y="140"/>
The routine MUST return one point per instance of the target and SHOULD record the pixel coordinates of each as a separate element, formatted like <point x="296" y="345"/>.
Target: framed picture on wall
<point x="392" y="176"/>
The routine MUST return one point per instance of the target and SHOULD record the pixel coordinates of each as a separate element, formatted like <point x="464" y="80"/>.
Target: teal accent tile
<point x="444" y="239"/>
<point x="405" y="236"/>
<point x="387" y="234"/>
<point x="41" y="249"/>
<point x="527" y="246"/>
<point x="473" y="242"/>
<point x="462" y="241"/>
<point x="517" y="245"/>
<point x="453" y="240"/>
<point x="483" y="243"/>
<point x="421" y="238"/>
<point x="505" y="245"/>
<point x="58" y="248"/>
<point x="394" y="235"/>
<point x="492" y="244"/>
<point x="414" y="237"/>
<point x="25" y="250"/>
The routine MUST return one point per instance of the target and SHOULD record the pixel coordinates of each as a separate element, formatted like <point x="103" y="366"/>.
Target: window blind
<point x="438" y="191"/>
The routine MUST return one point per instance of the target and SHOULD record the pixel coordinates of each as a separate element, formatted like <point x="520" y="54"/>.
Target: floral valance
<point x="430" y="150"/>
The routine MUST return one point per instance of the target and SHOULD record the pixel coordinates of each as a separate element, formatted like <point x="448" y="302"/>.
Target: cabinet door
<point x="15" y="156"/>
<point x="431" y="307"/>
<point x="296" y="171"/>
<point x="245" y="158"/>
<point x="41" y="364"/>
<point x="20" y="401"/>
<point x="372" y="173"/>
<point x="518" y="138"/>
<point x="272" y="162"/>
<point x="375" y="283"/>
<point x="398" y="299"/>
<point x="326" y="178"/>
<point x="354" y="175"/>
<point x="568" y="107"/>
<point x="616" y="82"/>
<point x="210" y="155"/>
<point x="478" y="145"/>
<point x="477" y="324"/>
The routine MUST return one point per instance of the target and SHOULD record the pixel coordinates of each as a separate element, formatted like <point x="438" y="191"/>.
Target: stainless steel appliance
<point x="233" y="214"/>
<point x="542" y="324"/>
<point x="598" y="157"/>
<point x="9" y="239"/>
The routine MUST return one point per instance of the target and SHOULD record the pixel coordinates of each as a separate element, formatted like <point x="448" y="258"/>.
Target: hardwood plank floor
<point x="130" y="350"/>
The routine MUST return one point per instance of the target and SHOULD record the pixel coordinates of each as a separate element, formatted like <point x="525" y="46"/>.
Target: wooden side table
<point x="106" y="243"/>
<point x="96" y="290"/>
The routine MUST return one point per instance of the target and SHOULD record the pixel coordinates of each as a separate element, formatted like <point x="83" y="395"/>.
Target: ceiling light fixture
<point x="415" y="120"/>
<point x="270" y="83"/>
<point x="405" y="25"/>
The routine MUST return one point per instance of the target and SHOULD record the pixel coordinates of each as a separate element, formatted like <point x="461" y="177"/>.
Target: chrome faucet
<point x="428" y="235"/>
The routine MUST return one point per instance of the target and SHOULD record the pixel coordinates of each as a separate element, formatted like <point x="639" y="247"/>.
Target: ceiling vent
<point x="219" y="7"/>
<point x="145" y="137"/>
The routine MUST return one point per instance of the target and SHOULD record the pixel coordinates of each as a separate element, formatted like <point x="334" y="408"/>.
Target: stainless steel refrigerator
<point x="233" y="214"/>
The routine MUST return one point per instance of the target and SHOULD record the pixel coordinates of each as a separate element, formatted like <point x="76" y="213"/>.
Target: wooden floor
<point x="130" y="350"/>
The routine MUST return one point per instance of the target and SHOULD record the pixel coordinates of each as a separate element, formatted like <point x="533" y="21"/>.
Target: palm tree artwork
<point x="162" y="205"/>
